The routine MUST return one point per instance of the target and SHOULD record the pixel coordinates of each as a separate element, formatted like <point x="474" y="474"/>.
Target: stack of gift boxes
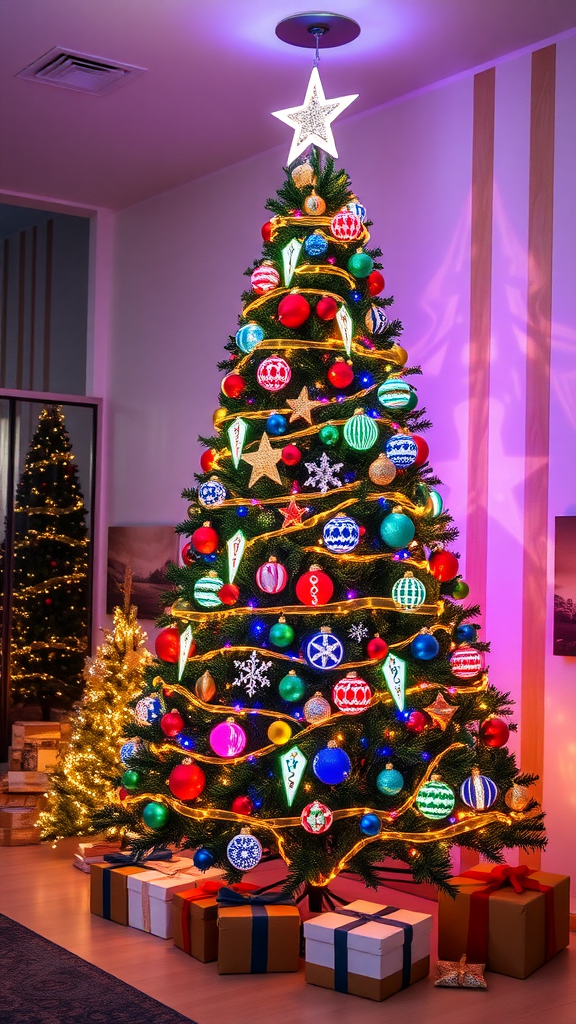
<point x="32" y="756"/>
<point x="513" y="919"/>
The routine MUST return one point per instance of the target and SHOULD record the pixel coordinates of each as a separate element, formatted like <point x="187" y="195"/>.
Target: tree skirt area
<point x="44" y="984"/>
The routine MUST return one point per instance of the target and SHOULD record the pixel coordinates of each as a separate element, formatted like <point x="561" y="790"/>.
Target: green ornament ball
<point x="155" y="815"/>
<point x="131" y="779"/>
<point x="360" y="431"/>
<point x="292" y="688"/>
<point x="360" y="264"/>
<point x="460" y="590"/>
<point x="435" y="799"/>
<point x="281" y="634"/>
<point x="412" y="401"/>
<point x="329" y="434"/>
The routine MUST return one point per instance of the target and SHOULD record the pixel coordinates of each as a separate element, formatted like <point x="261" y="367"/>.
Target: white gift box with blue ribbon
<point x="150" y="902"/>
<point x="367" y="949"/>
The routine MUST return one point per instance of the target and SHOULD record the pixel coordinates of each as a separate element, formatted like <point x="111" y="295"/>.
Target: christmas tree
<point x="50" y="615"/>
<point x="321" y="692"/>
<point x="113" y="678"/>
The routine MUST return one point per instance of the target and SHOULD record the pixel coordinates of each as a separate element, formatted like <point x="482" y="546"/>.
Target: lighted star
<point x="313" y="119"/>
<point x="264" y="462"/>
<point x="441" y="712"/>
<point x="302" y="406"/>
<point x="292" y="514"/>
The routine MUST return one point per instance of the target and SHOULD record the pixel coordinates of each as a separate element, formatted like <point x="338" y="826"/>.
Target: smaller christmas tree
<point x="113" y="680"/>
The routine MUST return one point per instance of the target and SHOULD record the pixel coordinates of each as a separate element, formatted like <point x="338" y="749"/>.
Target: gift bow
<point x="381" y="916"/>
<point x="520" y="879"/>
<point x="230" y="897"/>
<point x="135" y="858"/>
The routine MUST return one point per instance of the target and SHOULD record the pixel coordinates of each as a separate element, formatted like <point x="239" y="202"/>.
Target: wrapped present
<point x="512" y="919"/>
<point x="19" y="836"/>
<point x="367" y="950"/>
<point x="23" y="732"/>
<point x="18" y="817"/>
<point x="109" y="883"/>
<point x="460" y="974"/>
<point x="257" y="934"/>
<point x="194" y="918"/>
<point x="150" y="894"/>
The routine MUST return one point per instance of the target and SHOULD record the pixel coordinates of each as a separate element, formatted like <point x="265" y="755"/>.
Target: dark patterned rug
<point x="44" y="984"/>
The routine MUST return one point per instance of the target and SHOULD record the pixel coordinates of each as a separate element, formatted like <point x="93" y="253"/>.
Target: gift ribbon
<point x="202" y="892"/>
<point x="520" y="879"/>
<point x="341" y="943"/>
<point x="228" y="897"/>
<point x="122" y="860"/>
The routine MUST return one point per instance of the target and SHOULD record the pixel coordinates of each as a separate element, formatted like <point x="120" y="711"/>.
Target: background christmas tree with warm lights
<point x="113" y="679"/>
<point x="320" y="691"/>
<point x="50" y="608"/>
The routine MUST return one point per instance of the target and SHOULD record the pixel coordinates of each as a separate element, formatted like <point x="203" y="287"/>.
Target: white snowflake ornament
<point x="322" y="474"/>
<point x="358" y="632"/>
<point x="252" y="674"/>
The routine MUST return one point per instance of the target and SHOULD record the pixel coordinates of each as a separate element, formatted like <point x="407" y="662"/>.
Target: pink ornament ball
<point x="272" y="577"/>
<point x="466" y="662"/>
<point x="227" y="739"/>
<point x="273" y="373"/>
<point x="346" y="226"/>
<point x="264" y="279"/>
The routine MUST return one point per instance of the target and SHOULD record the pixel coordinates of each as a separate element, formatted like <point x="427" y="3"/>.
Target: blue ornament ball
<point x="357" y="209"/>
<point x="276" y="424"/>
<point x="425" y="646"/>
<point x="332" y="766"/>
<point x="148" y="710"/>
<point x="389" y="781"/>
<point x="211" y="493"/>
<point x="370" y="825"/>
<point x="466" y="632"/>
<point x="249" y="336"/>
<point x="478" y="791"/>
<point x="341" y="534"/>
<point x="315" y="245"/>
<point x="397" y="530"/>
<point x="376" y="320"/>
<point x="203" y="859"/>
<point x="323" y="650"/>
<point x="402" y="450"/>
<point x="244" y="851"/>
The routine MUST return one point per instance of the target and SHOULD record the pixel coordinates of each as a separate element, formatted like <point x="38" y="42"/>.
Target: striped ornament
<point x="376" y="320"/>
<point x="466" y="662"/>
<point x="435" y="799"/>
<point x="360" y="431"/>
<point x="346" y="226"/>
<point x="271" y="577"/>
<point x="394" y="394"/>
<point x="206" y="591"/>
<point x="249" y="336"/>
<point x="264" y="279"/>
<point x="478" y="791"/>
<point x="408" y="593"/>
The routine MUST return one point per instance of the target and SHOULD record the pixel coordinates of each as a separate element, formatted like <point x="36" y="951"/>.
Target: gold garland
<point x="188" y="614"/>
<point x="47" y="510"/>
<point x="56" y="581"/>
<point x="326" y="268"/>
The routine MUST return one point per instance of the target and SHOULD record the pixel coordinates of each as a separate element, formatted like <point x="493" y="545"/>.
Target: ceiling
<point x="215" y="70"/>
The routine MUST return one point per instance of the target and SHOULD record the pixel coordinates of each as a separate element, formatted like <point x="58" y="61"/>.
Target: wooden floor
<point x="40" y="888"/>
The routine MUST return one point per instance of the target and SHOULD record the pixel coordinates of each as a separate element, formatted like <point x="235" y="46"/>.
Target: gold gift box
<point x="235" y="939"/>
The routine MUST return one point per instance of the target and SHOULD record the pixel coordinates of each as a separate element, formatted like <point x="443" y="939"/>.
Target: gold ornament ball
<point x="382" y="471"/>
<point x="279" y="733"/>
<point x="314" y="205"/>
<point x="398" y="354"/>
<point x="303" y="175"/>
<point x="517" y="797"/>
<point x="205" y="687"/>
<point x="219" y="417"/>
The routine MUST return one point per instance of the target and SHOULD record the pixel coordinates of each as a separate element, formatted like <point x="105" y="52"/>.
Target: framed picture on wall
<point x="565" y="587"/>
<point x="147" y="550"/>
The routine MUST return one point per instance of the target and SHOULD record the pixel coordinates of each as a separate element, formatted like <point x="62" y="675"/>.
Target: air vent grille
<point x="81" y="72"/>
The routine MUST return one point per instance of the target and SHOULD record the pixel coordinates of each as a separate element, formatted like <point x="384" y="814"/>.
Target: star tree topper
<point x="313" y="119"/>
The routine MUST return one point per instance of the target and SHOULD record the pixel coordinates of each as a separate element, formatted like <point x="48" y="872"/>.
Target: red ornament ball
<point x="293" y="310"/>
<point x="53" y="564"/>
<point x="205" y="540"/>
<point x="122" y="793"/>
<point x="443" y="565"/>
<point x="229" y="593"/>
<point x="351" y="695"/>
<point x="466" y="662"/>
<point x="233" y="385"/>
<point x="417" y="721"/>
<point x="186" y="781"/>
<point x="376" y="648"/>
<point x="167" y="645"/>
<point x="375" y="283"/>
<point x="48" y="601"/>
<point x="172" y="723"/>
<point x="242" y="805"/>
<point x="291" y="455"/>
<point x="208" y="460"/>
<point x="314" y="587"/>
<point x="340" y="374"/>
<point x="188" y="553"/>
<point x="326" y="308"/>
<point x="423" y="450"/>
<point x="266" y="231"/>
<point x="346" y="226"/>
<point x="264" y="279"/>
<point x="494" y="732"/>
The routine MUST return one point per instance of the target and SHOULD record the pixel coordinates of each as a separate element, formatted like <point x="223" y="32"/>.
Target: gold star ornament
<point x="441" y="712"/>
<point x="302" y="406"/>
<point x="264" y="462"/>
<point x="312" y="121"/>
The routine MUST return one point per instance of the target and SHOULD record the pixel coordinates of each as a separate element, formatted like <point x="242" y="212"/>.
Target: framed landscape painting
<point x="147" y="550"/>
<point x="565" y="587"/>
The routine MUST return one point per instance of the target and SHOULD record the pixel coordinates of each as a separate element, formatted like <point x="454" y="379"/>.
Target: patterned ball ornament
<point x="271" y="577"/>
<point x="360" y="431"/>
<point x="389" y="781"/>
<point x="323" y="650"/>
<point x="172" y="723"/>
<point x="211" y="493"/>
<point x="326" y="308"/>
<point x="346" y="226"/>
<point x="478" y="791"/>
<point x="281" y="634"/>
<point x="316" y="817"/>
<point x="408" y="592"/>
<point x="332" y="765"/>
<point x="314" y="587"/>
<point x="167" y="645"/>
<point x="227" y="739"/>
<point x="264" y="279"/>
<point x="352" y="695"/>
<point x="314" y="205"/>
<point x="148" y="710"/>
<point x="186" y="781"/>
<point x="394" y="394"/>
<point x="279" y="733"/>
<point x="370" y="825"/>
<point x="494" y="732"/>
<point x="329" y="434"/>
<point x="358" y="209"/>
<point x="424" y="647"/>
<point x="291" y="688"/>
<point x="435" y="799"/>
<point x="402" y="450"/>
<point x="315" y="245"/>
<point x="249" y="336"/>
<point x="155" y="815"/>
<point x="375" y="283"/>
<point x="233" y="385"/>
<point x="317" y="709"/>
<point x="397" y="530"/>
<point x="128" y="750"/>
<point x="205" y="539"/>
<point x="303" y="174"/>
<point x="341" y="534"/>
<point x="466" y="662"/>
<point x="443" y="566"/>
<point x="382" y="471"/>
<point x="244" y="851"/>
<point x="206" y="590"/>
<point x="273" y="373"/>
<point x="376" y="320"/>
<point x="291" y="455"/>
<point x="293" y="310"/>
<point x="340" y="374"/>
<point x="360" y="264"/>
<point x="517" y="797"/>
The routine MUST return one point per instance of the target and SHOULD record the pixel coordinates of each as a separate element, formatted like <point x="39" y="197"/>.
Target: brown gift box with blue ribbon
<point x="109" y="884"/>
<point x="257" y="934"/>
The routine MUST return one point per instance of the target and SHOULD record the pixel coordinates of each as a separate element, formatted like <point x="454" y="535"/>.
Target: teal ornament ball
<point x="360" y="431"/>
<point x="206" y="591"/>
<point x="397" y="530"/>
<point x="249" y="336"/>
<point x="389" y="781"/>
<point x="131" y="779"/>
<point x="281" y="634"/>
<point x="435" y="799"/>
<point x="291" y="688"/>
<point x="360" y="264"/>
<point x="394" y="394"/>
<point x="329" y="435"/>
<point x="155" y="815"/>
<point x="409" y="592"/>
<point x="370" y="825"/>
